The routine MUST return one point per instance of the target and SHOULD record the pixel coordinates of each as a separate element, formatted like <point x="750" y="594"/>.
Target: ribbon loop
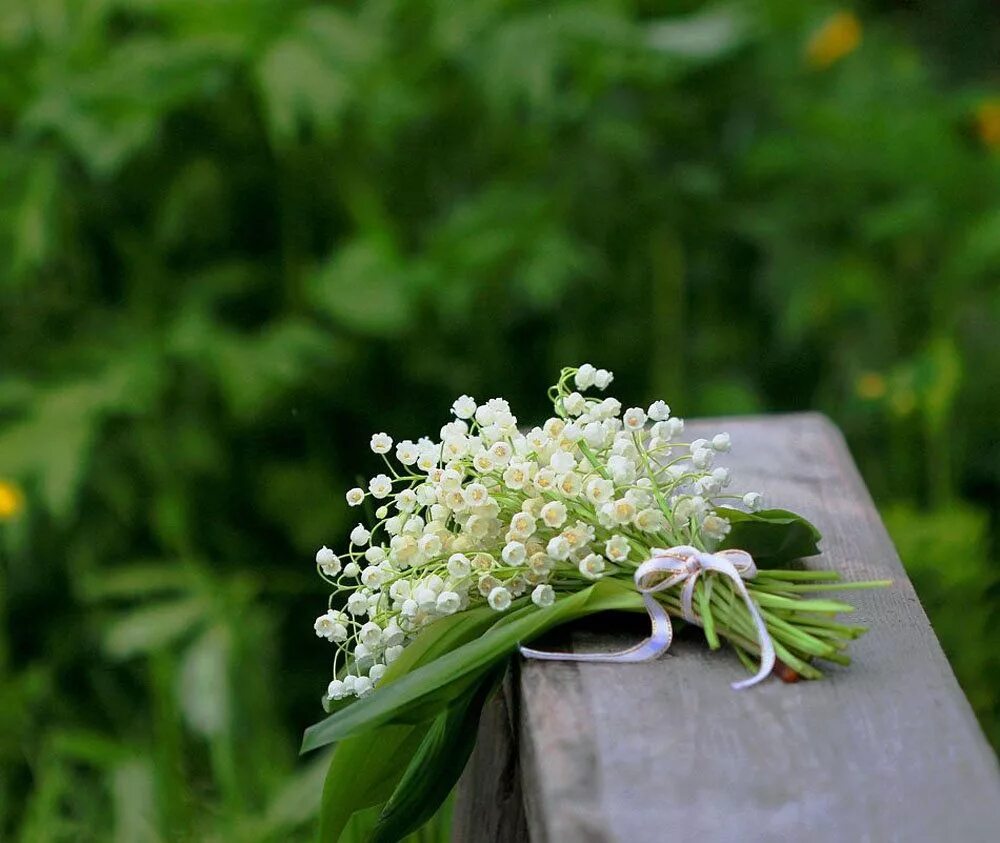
<point x="681" y="564"/>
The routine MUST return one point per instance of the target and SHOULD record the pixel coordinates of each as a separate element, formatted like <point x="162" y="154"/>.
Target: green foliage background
<point x="238" y="237"/>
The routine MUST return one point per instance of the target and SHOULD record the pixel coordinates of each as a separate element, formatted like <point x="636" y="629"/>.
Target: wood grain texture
<point x="884" y="750"/>
<point x="489" y="804"/>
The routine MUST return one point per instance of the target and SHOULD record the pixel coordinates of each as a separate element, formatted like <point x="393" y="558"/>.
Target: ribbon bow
<point x="666" y="569"/>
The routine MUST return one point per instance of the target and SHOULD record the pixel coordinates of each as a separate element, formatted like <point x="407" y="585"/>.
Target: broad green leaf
<point x="363" y="772"/>
<point x="442" y="637"/>
<point x="384" y="765"/>
<point x="429" y="706"/>
<point x="434" y="641"/>
<point x="436" y="765"/>
<point x="773" y="537"/>
<point x="442" y="679"/>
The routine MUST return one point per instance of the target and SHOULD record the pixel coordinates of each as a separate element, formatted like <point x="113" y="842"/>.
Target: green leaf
<point x="137" y="580"/>
<point x="363" y="287"/>
<point x="434" y="641"/>
<point x="364" y="771"/>
<point x="384" y="753"/>
<point x="311" y="75"/>
<point x="773" y="537"/>
<point x="281" y="357"/>
<point x="436" y="765"/>
<point x="441" y="681"/>
<point x="706" y="35"/>
<point x="295" y="804"/>
<point x="152" y="627"/>
<point x="108" y="112"/>
<point x="53" y="443"/>
<point x="203" y="687"/>
<point x="133" y="794"/>
<point x="941" y="371"/>
<point x="442" y="637"/>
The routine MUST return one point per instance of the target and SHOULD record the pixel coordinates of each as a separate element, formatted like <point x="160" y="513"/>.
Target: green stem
<point x="840" y="586"/>
<point x="704" y="597"/>
<point x="592" y="458"/>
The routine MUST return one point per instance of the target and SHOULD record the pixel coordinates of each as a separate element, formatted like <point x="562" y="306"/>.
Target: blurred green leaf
<point x="137" y="580"/>
<point x="704" y="35"/>
<point x="134" y="795"/>
<point x="257" y="370"/>
<point x="296" y="804"/>
<point x="312" y="73"/>
<point x="52" y="444"/>
<point x="153" y="627"/>
<point x="943" y="374"/>
<point x="946" y="553"/>
<point x="108" y="113"/>
<point x="363" y="288"/>
<point x="204" y="683"/>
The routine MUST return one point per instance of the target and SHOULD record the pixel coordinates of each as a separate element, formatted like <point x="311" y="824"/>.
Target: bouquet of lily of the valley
<point x="487" y="536"/>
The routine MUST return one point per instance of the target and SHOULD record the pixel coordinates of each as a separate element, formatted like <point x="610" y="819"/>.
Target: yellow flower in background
<point x="839" y="35"/>
<point x="988" y="123"/>
<point x="870" y="386"/>
<point x="11" y="500"/>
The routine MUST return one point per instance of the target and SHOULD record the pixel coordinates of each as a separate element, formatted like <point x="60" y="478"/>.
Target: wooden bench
<point x="886" y="749"/>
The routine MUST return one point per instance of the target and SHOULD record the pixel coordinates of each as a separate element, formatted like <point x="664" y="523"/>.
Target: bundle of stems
<point x="802" y="629"/>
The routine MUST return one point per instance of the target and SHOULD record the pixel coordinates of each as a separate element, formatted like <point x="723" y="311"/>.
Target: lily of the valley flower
<point x="486" y="514"/>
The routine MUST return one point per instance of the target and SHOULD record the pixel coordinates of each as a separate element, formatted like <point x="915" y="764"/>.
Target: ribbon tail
<point x="658" y="642"/>
<point x="763" y="636"/>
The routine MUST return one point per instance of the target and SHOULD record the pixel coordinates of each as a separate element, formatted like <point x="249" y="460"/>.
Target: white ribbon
<point x="664" y="570"/>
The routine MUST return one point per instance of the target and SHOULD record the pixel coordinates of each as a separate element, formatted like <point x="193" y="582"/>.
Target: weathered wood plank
<point x="887" y="749"/>
<point x="489" y="805"/>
